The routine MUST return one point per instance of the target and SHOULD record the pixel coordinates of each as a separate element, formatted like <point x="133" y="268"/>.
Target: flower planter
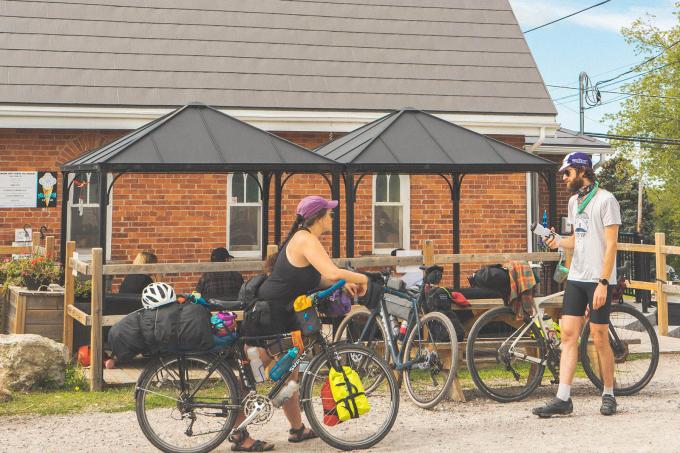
<point x="38" y="312"/>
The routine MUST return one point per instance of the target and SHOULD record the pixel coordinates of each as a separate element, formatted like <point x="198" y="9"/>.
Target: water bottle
<point x="544" y="220"/>
<point x="283" y="365"/>
<point x="256" y="364"/>
<point x="395" y="326"/>
<point x="285" y="394"/>
<point x="402" y="330"/>
<point x="551" y="330"/>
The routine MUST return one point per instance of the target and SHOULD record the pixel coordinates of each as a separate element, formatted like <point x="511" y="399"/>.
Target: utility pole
<point x="581" y="95"/>
<point x="638" y="228"/>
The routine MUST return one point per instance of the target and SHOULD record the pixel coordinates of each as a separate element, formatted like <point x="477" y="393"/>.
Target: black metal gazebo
<point x="197" y="138"/>
<point x="410" y="141"/>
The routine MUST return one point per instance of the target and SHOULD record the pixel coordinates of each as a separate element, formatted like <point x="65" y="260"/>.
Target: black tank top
<point x="286" y="281"/>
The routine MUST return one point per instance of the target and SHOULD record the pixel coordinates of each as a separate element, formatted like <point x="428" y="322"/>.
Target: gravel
<point x="645" y="422"/>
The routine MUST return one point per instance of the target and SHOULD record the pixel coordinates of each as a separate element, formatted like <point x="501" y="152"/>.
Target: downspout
<point x="531" y="188"/>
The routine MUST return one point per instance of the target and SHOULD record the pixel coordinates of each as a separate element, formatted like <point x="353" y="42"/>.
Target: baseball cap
<point x="576" y="160"/>
<point x="309" y="206"/>
<point x="220" y="254"/>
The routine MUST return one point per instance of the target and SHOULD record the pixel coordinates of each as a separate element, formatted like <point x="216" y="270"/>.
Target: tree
<point x="621" y="178"/>
<point x="654" y="111"/>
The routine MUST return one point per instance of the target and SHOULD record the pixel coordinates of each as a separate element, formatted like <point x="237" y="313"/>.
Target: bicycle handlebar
<point x="328" y="291"/>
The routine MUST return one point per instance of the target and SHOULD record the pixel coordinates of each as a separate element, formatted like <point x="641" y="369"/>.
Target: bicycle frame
<point x="412" y="322"/>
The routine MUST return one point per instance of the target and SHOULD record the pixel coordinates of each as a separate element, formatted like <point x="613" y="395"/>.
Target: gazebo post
<point x="349" y="196"/>
<point x="277" y="207"/>
<point x="65" y="195"/>
<point x="552" y="214"/>
<point x="456" y="182"/>
<point x="266" y="180"/>
<point x="103" y="211"/>
<point x="335" y="195"/>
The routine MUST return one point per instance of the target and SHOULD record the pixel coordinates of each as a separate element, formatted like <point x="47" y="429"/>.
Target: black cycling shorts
<point x="578" y="295"/>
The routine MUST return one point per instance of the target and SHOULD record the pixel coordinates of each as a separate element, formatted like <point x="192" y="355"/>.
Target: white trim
<point x="128" y="118"/>
<point x="405" y="197"/>
<point x="83" y="252"/>
<point x="250" y="253"/>
<point x="564" y="150"/>
<point x="529" y="195"/>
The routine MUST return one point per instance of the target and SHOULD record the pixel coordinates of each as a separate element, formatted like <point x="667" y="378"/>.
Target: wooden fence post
<point x="35" y="244"/>
<point x="49" y="247"/>
<point x="96" y="369"/>
<point x="661" y="276"/>
<point x="272" y="249"/>
<point x="428" y="253"/>
<point x="69" y="286"/>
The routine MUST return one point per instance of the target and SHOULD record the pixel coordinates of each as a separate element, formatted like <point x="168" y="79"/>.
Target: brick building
<point x="79" y="75"/>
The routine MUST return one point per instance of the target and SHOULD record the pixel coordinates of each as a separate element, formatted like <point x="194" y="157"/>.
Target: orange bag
<point x="330" y="417"/>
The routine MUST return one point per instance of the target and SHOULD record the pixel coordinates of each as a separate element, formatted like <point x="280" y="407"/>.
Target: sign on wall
<point x="28" y="189"/>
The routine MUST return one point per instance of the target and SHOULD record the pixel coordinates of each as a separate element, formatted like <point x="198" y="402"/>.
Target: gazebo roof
<point x="412" y="141"/>
<point x="199" y="138"/>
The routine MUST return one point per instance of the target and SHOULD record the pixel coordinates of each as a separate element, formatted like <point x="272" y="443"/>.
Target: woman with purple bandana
<point x="302" y="265"/>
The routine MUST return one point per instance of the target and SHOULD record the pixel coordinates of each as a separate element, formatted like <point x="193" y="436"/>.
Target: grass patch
<point x="53" y="402"/>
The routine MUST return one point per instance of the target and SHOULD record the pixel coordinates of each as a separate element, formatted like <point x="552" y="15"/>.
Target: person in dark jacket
<point x="220" y="285"/>
<point x="135" y="283"/>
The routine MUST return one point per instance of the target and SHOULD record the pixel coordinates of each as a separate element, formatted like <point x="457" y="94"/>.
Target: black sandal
<point x="258" y="445"/>
<point x="299" y="435"/>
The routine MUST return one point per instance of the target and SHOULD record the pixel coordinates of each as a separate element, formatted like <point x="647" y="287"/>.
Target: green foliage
<point x="621" y="178"/>
<point x="30" y="272"/>
<point x="655" y="115"/>
<point x="82" y="288"/>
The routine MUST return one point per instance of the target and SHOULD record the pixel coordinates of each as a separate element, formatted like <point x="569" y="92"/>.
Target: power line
<point x="674" y="98"/>
<point x="633" y="69"/>
<point x="634" y="138"/>
<point x="566" y="17"/>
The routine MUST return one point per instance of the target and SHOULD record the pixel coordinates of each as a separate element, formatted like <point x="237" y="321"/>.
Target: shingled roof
<point x="437" y="55"/>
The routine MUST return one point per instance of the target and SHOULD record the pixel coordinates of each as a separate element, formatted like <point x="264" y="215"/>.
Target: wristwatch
<point x="603" y="281"/>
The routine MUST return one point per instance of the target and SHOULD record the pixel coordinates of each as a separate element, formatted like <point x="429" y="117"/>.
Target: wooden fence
<point x="97" y="270"/>
<point x="46" y="250"/>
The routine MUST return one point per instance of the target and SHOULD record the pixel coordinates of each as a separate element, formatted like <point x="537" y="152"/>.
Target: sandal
<point x="258" y="445"/>
<point x="300" y="435"/>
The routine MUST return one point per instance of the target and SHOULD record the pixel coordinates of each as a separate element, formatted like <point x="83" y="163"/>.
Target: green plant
<point x="82" y="288"/>
<point x="30" y="272"/>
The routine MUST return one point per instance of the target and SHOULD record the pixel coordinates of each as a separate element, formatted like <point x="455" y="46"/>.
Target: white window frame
<point x="86" y="253"/>
<point x="405" y="197"/>
<point x="243" y="254"/>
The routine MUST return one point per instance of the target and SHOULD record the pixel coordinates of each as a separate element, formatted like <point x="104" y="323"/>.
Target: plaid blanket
<point x="522" y="282"/>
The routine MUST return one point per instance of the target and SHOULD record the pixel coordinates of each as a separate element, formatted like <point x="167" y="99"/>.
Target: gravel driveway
<point x="648" y="421"/>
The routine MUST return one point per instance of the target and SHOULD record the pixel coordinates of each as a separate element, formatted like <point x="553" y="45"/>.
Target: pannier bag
<point x="492" y="277"/>
<point x="306" y="315"/>
<point x="126" y="339"/>
<point x="348" y="393"/>
<point x="330" y="414"/>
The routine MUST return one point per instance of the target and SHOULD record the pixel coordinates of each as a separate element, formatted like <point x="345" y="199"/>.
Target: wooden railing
<point x="46" y="250"/>
<point x="97" y="271"/>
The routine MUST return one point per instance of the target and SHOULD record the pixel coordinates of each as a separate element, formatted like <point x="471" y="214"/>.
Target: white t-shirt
<point x="588" y="227"/>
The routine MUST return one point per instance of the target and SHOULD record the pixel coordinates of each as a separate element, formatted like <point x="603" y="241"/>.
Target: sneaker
<point x="608" y="405"/>
<point x="555" y="406"/>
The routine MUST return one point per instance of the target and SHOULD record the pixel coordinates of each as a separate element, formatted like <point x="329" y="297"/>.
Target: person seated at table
<point x="220" y="285"/>
<point x="135" y="283"/>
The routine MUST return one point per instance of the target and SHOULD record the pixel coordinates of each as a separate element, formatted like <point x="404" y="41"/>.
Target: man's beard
<point x="576" y="184"/>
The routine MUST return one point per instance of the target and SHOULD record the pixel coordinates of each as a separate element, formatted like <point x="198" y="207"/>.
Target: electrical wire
<point x="566" y="17"/>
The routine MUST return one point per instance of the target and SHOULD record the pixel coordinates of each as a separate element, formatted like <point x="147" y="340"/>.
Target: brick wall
<point x="182" y="217"/>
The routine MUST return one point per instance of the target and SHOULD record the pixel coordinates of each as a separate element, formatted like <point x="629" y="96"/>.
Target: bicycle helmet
<point x="158" y="294"/>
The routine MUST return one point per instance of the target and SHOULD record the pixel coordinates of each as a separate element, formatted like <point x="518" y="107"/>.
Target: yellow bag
<point x="348" y="394"/>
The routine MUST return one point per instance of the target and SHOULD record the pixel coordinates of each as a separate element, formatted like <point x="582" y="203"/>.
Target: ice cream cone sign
<point x="47" y="183"/>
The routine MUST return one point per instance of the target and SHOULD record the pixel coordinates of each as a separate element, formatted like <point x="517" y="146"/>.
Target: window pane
<point x="252" y="190"/>
<point x="388" y="226"/>
<point x="381" y="188"/>
<point x="85" y="227"/>
<point x="395" y="194"/>
<point x="244" y="228"/>
<point x="93" y="188"/>
<point x="237" y="188"/>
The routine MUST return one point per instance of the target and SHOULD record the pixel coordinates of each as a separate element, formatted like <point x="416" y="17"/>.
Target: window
<point x="244" y="225"/>
<point x="391" y="212"/>
<point x="83" y="221"/>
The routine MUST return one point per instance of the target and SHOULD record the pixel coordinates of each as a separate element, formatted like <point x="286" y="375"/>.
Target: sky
<point x="590" y="42"/>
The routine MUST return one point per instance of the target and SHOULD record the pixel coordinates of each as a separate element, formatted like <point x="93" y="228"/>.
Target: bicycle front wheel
<point x="635" y="346"/>
<point x="165" y="405"/>
<point x="497" y="372"/>
<point x="369" y="428"/>
<point x="432" y="350"/>
<point x="351" y="328"/>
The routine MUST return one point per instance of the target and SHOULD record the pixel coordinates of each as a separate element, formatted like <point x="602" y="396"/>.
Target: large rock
<point x="28" y="361"/>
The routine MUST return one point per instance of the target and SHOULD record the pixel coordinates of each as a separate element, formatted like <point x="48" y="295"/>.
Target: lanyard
<point x="582" y="205"/>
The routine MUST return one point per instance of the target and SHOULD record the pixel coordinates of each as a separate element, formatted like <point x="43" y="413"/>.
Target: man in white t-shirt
<point x="595" y="216"/>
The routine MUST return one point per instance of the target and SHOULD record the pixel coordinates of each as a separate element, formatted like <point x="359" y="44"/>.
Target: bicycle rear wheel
<point x="433" y="348"/>
<point x="497" y="373"/>
<point x="635" y="346"/>
<point x="371" y="427"/>
<point x="163" y="408"/>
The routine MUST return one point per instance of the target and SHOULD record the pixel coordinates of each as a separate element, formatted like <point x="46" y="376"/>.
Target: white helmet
<point x="158" y="294"/>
